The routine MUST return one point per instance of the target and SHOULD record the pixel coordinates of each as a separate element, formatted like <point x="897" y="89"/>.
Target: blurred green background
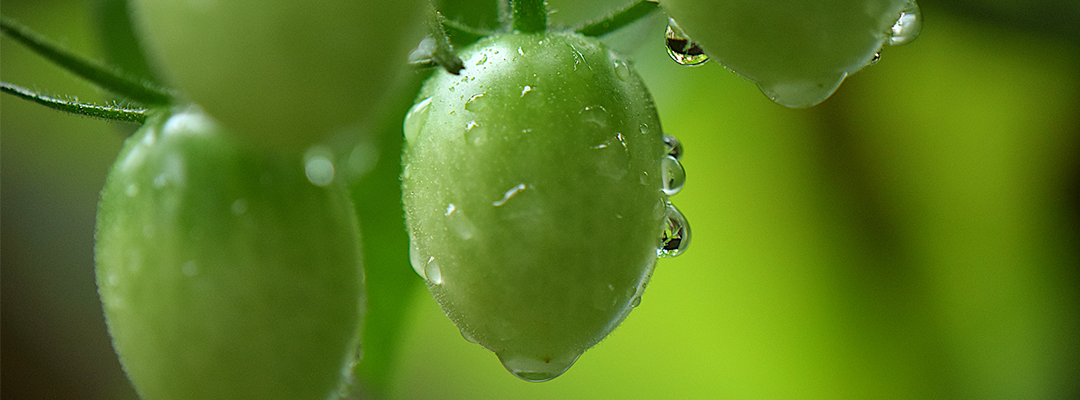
<point x="915" y="236"/>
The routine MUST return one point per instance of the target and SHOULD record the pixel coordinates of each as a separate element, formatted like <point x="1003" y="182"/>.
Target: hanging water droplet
<point x="907" y="27"/>
<point x="636" y="302"/>
<point x="476" y="103"/>
<point x="672" y="174"/>
<point x="674" y="147"/>
<point x="319" y="165"/>
<point x="525" y="90"/>
<point x="432" y="272"/>
<point x="622" y="70"/>
<point x="417" y="261"/>
<point x="468" y="336"/>
<point x="415" y="119"/>
<point x="676" y="236"/>
<point x="875" y="58"/>
<point x="681" y="49"/>
<point x="537" y="369"/>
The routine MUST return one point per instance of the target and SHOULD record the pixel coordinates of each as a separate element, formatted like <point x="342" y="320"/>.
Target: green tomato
<point x="223" y="272"/>
<point x="533" y="194"/>
<point x="282" y="73"/>
<point x="798" y="52"/>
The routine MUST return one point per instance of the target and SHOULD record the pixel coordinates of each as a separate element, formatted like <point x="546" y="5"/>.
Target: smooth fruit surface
<point x="532" y="188"/>
<point x="284" y="74"/>
<point x="797" y="51"/>
<point x="225" y="273"/>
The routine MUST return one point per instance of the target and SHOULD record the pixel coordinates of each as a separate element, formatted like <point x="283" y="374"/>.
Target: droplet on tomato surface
<point x="432" y="271"/>
<point x="908" y="26"/>
<point x="636" y="302"/>
<point x="509" y="195"/>
<point x="596" y="116"/>
<point x="476" y="103"/>
<point x="673" y="146"/>
<point x="415" y="119"/>
<point x="672" y="175"/>
<point x="676" y="235"/>
<point x="417" y="260"/>
<point x="681" y="48"/>
<point x="875" y="58"/>
<point x="622" y="70"/>
<point x="475" y="134"/>
<point x="534" y="368"/>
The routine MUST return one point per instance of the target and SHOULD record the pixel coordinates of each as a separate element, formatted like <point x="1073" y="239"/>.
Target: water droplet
<point x="672" y="175"/>
<point x="875" y="58"/>
<point x="509" y="194"/>
<point x="476" y="103"/>
<point x="450" y="208"/>
<point x="538" y="369"/>
<point x="674" y="147"/>
<point x="468" y="336"/>
<point x="622" y="70"/>
<point x="636" y="302"/>
<point x="595" y="115"/>
<point x="482" y="60"/>
<point x="190" y="268"/>
<point x="644" y="178"/>
<point x="475" y="134"/>
<point x="644" y="128"/>
<point x="681" y="49"/>
<point x="525" y="90"/>
<point x="239" y="206"/>
<point x="461" y="224"/>
<point x="676" y="236"/>
<point x="417" y="261"/>
<point x="907" y="27"/>
<point x="520" y="51"/>
<point x="432" y="272"/>
<point x="131" y="190"/>
<point x="319" y="170"/>
<point x="415" y="119"/>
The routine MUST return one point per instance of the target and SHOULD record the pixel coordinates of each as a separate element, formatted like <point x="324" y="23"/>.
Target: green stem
<point x="619" y="19"/>
<point x="529" y="16"/>
<point x="108" y="78"/>
<point x="444" y="52"/>
<point x="135" y="115"/>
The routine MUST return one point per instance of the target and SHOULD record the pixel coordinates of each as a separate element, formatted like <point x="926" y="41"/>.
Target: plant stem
<point x="529" y="16"/>
<point x="619" y="19"/>
<point x="444" y="51"/>
<point x="105" y="77"/>
<point x="134" y="115"/>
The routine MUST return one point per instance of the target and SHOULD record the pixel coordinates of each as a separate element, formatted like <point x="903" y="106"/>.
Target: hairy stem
<point x="529" y="16"/>
<point x="444" y="52"/>
<point x="619" y="19"/>
<point x="105" y="77"/>
<point x="134" y="115"/>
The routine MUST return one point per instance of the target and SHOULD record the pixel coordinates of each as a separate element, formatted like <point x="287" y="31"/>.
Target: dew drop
<point x="672" y="174"/>
<point x="475" y="134"/>
<point x="875" y="58"/>
<point x="476" y="103"/>
<point x="190" y="268"/>
<point x="239" y="206"/>
<point x="525" y="90"/>
<point x="415" y="119"/>
<point x="432" y="272"/>
<point x="450" y="208"/>
<point x="907" y="27"/>
<point x="319" y="170"/>
<point x="644" y="128"/>
<point x="509" y="195"/>
<point x="417" y="261"/>
<point x="676" y="236"/>
<point x="468" y="336"/>
<point x="636" y="302"/>
<point x="674" y="147"/>
<point x="595" y="115"/>
<point x="681" y="49"/>
<point x="537" y="369"/>
<point x="622" y="70"/>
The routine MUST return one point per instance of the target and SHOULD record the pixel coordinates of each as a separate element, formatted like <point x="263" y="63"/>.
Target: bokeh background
<point x="915" y="236"/>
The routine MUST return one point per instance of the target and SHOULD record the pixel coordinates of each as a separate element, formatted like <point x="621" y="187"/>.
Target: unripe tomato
<point x="797" y="51"/>
<point x="533" y="194"/>
<point x="282" y="73"/>
<point x="224" y="273"/>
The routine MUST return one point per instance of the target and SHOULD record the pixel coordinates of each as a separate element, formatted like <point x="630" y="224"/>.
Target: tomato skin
<point x="284" y="74"/>
<point x="223" y="272"/>
<point x="798" y="52"/>
<point x="532" y="184"/>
